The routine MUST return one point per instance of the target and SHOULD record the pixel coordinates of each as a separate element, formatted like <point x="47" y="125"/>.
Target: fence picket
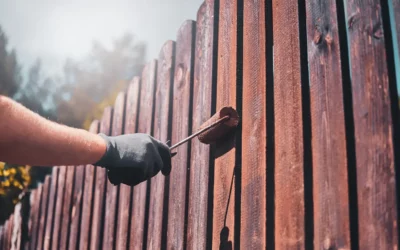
<point x="373" y="126"/>
<point x="100" y="190"/>
<point x="36" y="217"/>
<point x="162" y="114"/>
<point x="90" y="173"/>
<point x="203" y="108"/>
<point x="51" y="208"/>
<point x="58" y="213"/>
<point x="145" y="122"/>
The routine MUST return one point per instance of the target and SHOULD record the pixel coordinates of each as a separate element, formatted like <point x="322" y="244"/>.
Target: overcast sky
<point x="56" y="29"/>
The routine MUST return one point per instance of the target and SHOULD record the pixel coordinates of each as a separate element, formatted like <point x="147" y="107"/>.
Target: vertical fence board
<point x="162" y="113"/>
<point x="203" y="108"/>
<point x="51" y="208"/>
<point x="100" y="190"/>
<point x="90" y="173"/>
<point x="112" y="191"/>
<point x="66" y="210"/>
<point x="254" y="128"/>
<point x="44" y="212"/>
<point x="224" y="181"/>
<point x="330" y="187"/>
<point x="33" y="204"/>
<point x="289" y="186"/>
<point x="36" y="217"/>
<point x="58" y="215"/>
<point x="144" y="126"/>
<point x="181" y="121"/>
<point x="373" y="126"/>
<point x="76" y="206"/>
<point x="124" y="206"/>
<point x="8" y="229"/>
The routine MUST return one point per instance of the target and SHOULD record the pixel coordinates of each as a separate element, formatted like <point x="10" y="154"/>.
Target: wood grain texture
<point x="5" y="240"/>
<point x="224" y="180"/>
<point x="36" y="218"/>
<point x="202" y="110"/>
<point x="373" y="127"/>
<point x="144" y="126"/>
<point x="43" y="215"/>
<point x="161" y="128"/>
<point x="330" y="182"/>
<point x="112" y="190"/>
<point x="182" y="91"/>
<point x="254" y="128"/>
<point x="125" y="192"/>
<point x="76" y="205"/>
<point x="100" y="190"/>
<point x="51" y="208"/>
<point x="67" y="208"/>
<point x="34" y="206"/>
<point x="90" y="173"/>
<point x="58" y="212"/>
<point x="289" y="163"/>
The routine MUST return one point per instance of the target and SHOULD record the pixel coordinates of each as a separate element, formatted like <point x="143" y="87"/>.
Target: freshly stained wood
<point x="90" y="173"/>
<point x="254" y="126"/>
<point x="58" y="216"/>
<point x="224" y="180"/>
<point x="51" y="208"/>
<point x="100" y="190"/>
<point x="200" y="162"/>
<point x="373" y="127"/>
<point x="144" y="126"/>
<point x="124" y="206"/>
<point x="330" y="186"/>
<point x="289" y="162"/>
<point x="161" y="128"/>
<point x="112" y="191"/>
<point x="182" y="90"/>
<point x="44" y="211"/>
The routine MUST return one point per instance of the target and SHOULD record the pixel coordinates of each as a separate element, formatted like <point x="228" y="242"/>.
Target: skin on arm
<point x="27" y="138"/>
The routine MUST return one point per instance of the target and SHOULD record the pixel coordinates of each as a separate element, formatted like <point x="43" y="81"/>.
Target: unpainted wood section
<point x="254" y="128"/>
<point x="180" y="129"/>
<point x="289" y="163"/>
<point x="87" y="199"/>
<point x="373" y="127"/>
<point x="51" y="208"/>
<point x="44" y="211"/>
<point x="224" y="180"/>
<point x="100" y="189"/>
<point x="329" y="157"/>
<point x="202" y="111"/>
<point x="161" y="128"/>
<point x="8" y="232"/>
<point x="58" y="215"/>
<point x="124" y="203"/>
<point x="36" y="217"/>
<point x="144" y="126"/>
<point x="112" y="190"/>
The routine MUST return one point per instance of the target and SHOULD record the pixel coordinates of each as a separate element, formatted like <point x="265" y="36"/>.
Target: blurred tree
<point x="93" y="83"/>
<point x="10" y="75"/>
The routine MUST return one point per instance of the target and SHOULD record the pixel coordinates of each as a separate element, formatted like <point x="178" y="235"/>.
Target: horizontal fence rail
<point x="314" y="163"/>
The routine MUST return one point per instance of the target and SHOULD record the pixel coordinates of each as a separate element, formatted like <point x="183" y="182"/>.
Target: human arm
<point x="27" y="138"/>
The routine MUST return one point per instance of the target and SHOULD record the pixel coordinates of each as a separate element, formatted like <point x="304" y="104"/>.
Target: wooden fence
<point x="314" y="163"/>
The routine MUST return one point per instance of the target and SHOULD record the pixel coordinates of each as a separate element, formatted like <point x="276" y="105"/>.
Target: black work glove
<point x="134" y="158"/>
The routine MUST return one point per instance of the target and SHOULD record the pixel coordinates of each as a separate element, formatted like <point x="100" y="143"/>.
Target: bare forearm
<point x="27" y="138"/>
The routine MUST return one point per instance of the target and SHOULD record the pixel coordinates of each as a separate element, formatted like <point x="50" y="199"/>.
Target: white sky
<point x="56" y="29"/>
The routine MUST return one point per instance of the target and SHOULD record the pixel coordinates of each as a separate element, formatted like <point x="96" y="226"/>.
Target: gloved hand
<point x="134" y="158"/>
